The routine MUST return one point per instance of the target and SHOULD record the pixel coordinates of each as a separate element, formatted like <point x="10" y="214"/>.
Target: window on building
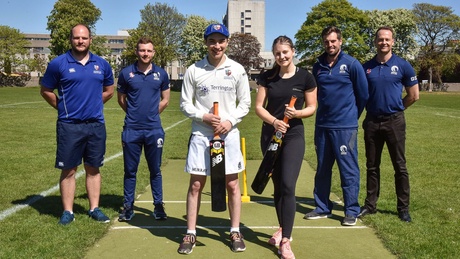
<point x="242" y="14"/>
<point x="115" y="41"/>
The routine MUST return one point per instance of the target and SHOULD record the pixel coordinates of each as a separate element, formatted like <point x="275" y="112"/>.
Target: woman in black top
<point x="276" y="87"/>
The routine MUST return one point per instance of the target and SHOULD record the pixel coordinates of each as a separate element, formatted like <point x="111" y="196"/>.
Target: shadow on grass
<point x="305" y="205"/>
<point x="208" y="227"/>
<point x="52" y="205"/>
<point x="389" y="212"/>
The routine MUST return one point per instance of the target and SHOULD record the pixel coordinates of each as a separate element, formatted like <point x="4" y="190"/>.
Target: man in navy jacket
<point x="342" y="97"/>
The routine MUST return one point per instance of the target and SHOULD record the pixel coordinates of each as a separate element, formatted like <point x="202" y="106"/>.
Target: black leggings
<point x="286" y="173"/>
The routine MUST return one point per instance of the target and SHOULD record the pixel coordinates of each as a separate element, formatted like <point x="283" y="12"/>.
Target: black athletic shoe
<point x="126" y="215"/>
<point x="404" y="216"/>
<point x="315" y="215"/>
<point x="365" y="211"/>
<point x="159" y="212"/>
<point x="349" y="220"/>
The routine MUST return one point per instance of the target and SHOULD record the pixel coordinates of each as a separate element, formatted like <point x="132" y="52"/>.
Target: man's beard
<point x="80" y="52"/>
<point x="334" y="54"/>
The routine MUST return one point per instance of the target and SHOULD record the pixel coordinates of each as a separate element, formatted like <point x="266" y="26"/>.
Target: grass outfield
<point x="27" y="151"/>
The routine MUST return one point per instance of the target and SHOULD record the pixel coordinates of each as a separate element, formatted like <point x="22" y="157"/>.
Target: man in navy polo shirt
<point x="143" y="93"/>
<point x="388" y="75"/>
<point x="84" y="83"/>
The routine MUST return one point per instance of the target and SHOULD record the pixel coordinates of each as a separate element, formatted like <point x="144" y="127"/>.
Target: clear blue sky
<point x="283" y="17"/>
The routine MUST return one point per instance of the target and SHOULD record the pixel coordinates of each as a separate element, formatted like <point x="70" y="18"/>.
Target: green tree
<point x="245" y="49"/>
<point x="128" y="56"/>
<point x="403" y="23"/>
<point x="65" y="15"/>
<point x="12" y="45"/>
<point x="38" y="63"/>
<point x="193" y="47"/>
<point x="163" y="24"/>
<point x="340" y="13"/>
<point x="438" y="34"/>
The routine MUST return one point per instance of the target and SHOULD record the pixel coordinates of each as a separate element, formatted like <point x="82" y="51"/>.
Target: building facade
<point x="39" y="47"/>
<point x="248" y="17"/>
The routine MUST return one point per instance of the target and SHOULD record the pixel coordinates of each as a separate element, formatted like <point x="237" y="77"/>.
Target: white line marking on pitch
<point x="209" y="202"/>
<point x="244" y="227"/>
<point x="35" y="198"/>
<point x="445" y="115"/>
<point x="14" y="104"/>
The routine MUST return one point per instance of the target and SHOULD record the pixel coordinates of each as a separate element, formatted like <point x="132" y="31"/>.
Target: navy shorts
<point x="77" y="141"/>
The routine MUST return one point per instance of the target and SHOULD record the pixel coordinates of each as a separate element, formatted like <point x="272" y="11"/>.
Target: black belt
<point x="84" y="121"/>
<point x="385" y="117"/>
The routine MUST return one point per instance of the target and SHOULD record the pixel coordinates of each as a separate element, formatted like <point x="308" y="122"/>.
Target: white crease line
<point x="260" y="202"/>
<point x="339" y="202"/>
<point x="243" y="227"/>
<point x="35" y="198"/>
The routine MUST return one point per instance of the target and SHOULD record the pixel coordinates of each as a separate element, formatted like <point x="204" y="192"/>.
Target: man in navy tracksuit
<point x="143" y="93"/>
<point x="342" y="96"/>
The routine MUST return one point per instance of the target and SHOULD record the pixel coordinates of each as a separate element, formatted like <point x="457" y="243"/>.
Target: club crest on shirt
<point x="156" y="76"/>
<point x="97" y="70"/>
<point x="394" y="70"/>
<point x="71" y="70"/>
<point x="368" y="71"/>
<point x="343" y="69"/>
<point x="203" y="90"/>
<point x="228" y="74"/>
<point x="131" y="74"/>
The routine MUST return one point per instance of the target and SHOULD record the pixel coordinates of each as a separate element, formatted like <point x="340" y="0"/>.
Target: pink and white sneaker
<point x="285" y="250"/>
<point x="275" y="240"/>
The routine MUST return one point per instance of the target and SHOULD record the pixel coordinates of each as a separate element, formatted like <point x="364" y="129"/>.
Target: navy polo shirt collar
<point x="71" y="59"/>
<point x="389" y="63"/>
<point x="137" y="71"/>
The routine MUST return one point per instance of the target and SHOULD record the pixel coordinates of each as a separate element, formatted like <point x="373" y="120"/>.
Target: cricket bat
<point x="217" y="152"/>
<point x="266" y="166"/>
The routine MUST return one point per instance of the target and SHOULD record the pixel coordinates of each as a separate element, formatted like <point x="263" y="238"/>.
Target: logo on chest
<point x="97" y="70"/>
<point x="394" y="70"/>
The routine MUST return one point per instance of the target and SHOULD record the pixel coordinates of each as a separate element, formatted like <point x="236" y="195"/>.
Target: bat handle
<point x="215" y="106"/>
<point x="291" y="104"/>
